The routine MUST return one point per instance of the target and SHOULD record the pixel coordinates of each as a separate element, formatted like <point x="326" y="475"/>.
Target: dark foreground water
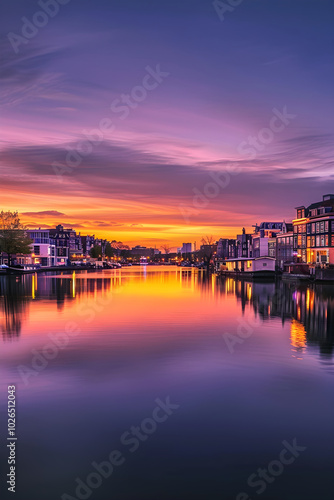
<point x="206" y="388"/>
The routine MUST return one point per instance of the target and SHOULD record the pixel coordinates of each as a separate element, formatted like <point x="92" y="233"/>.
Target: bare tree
<point x="166" y="248"/>
<point x="207" y="249"/>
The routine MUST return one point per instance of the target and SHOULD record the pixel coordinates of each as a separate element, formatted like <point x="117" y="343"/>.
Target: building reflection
<point x="17" y="293"/>
<point x="308" y="307"/>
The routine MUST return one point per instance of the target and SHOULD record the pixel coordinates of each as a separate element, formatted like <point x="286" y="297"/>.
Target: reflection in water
<point x="15" y="295"/>
<point x="158" y="332"/>
<point x="308" y="308"/>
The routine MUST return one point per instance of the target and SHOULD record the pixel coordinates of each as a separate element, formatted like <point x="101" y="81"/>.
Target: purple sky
<point x="221" y="81"/>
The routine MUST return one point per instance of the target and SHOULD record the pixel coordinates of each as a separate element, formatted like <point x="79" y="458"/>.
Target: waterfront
<point x="249" y="364"/>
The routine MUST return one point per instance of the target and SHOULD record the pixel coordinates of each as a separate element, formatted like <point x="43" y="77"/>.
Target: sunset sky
<point x="140" y="179"/>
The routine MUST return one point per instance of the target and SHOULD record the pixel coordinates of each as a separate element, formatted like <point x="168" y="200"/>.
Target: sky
<point x="160" y="122"/>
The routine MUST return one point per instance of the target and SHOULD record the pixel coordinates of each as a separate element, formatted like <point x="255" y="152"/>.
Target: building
<point x="43" y="249"/>
<point x="186" y="248"/>
<point x="87" y="243"/>
<point x="272" y="247"/>
<point x="68" y="244"/>
<point x="244" y="244"/>
<point x="313" y="232"/>
<point x="139" y="251"/>
<point x="223" y="248"/>
<point x="263" y="235"/>
<point x="284" y="246"/>
<point x="61" y="238"/>
<point x="268" y="229"/>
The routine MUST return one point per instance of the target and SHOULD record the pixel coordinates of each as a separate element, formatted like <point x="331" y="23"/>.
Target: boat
<point x="143" y="261"/>
<point x="245" y="267"/>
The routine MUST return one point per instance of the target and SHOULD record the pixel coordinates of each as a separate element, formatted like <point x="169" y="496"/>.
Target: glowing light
<point x="297" y="335"/>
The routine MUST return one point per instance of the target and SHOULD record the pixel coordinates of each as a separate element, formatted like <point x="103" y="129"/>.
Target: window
<point x="295" y="229"/>
<point x="308" y="228"/>
<point x="308" y="241"/>
<point x="313" y="241"/>
<point x="322" y="240"/>
<point x="313" y="228"/>
<point x="318" y="227"/>
<point x="326" y="226"/>
<point x="304" y="241"/>
<point x="332" y="226"/>
<point x="37" y="250"/>
<point x="318" y="241"/>
<point x="326" y="240"/>
<point x="322" y="227"/>
<point x="333" y="241"/>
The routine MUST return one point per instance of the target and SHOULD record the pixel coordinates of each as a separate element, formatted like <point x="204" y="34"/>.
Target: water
<point x="246" y="366"/>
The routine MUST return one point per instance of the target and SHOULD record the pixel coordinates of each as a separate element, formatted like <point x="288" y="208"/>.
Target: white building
<point x="43" y="249"/>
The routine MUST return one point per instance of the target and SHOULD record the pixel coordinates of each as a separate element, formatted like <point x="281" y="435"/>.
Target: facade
<point x="101" y="243"/>
<point x="264" y="238"/>
<point x="268" y="229"/>
<point x="61" y="238"/>
<point x="87" y="243"/>
<point x="222" y="248"/>
<point x="284" y="246"/>
<point x="68" y="244"/>
<point x="260" y="247"/>
<point x="186" y="248"/>
<point x="244" y="244"/>
<point x="313" y="231"/>
<point x="43" y="249"/>
<point x="272" y="247"/>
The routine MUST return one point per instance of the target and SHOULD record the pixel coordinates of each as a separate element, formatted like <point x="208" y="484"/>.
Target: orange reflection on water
<point x="297" y="337"/>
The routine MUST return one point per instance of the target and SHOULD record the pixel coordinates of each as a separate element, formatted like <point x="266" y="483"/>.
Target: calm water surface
<point x="249" y="365"/>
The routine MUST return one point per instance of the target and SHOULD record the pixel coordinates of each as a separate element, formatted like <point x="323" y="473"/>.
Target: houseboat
<point x="261" y="267"/>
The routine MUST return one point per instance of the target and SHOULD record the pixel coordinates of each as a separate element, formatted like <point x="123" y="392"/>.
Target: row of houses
<point x="308" y="239"/>
<point x="60" y="246"/>
<point x="56" y="247"/>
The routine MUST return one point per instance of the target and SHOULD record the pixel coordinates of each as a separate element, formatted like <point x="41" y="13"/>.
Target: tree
<point x="96" y="252"/>
<point x="166" y="249"/>
<point x="207" y="249"/>
<point x="13" y="238"/>
<point x="109" y="251"/>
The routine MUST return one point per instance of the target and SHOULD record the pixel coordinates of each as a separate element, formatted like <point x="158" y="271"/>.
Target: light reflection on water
<point x="157" y="331"/>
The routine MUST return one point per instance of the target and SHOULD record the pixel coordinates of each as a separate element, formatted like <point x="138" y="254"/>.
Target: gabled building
<point x="68" y="244"/>
<point x="313" y="231"/>
<point x="244" y="244"/>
